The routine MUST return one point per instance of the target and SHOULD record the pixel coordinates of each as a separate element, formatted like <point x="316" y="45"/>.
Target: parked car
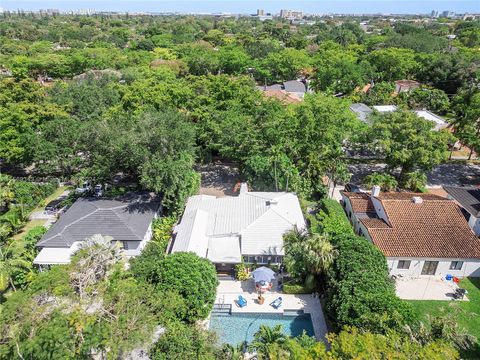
<point x="98" y="191"/>
<point x="86" y="187"/>
<point x="54" y="205"/>
<point x="352" y="188"/>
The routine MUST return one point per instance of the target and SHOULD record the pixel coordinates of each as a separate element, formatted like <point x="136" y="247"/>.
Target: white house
<point x="249" y="226"/>
<point x="126" y="219"/>
<point x="469" y="199"/>
<point x="419" y="234"/>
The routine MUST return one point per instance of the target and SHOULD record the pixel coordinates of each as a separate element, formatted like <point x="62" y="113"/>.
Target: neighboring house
<point x="284" y="96"/>
<point x="248" y="227"/>
<point x="469" y="199"/>
<point x="405" y="85"/>
<point x="363" y="113"/>
<point x="439" y="122"/>
<point x="293" y="87"/>
<point x="385" y="108"/>
<point x="126" y="219"/>
<point x="419" y="234"/>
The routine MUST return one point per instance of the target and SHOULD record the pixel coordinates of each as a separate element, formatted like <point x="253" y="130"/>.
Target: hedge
<point x="360" y="292"/>
<point x="332" y="220"/>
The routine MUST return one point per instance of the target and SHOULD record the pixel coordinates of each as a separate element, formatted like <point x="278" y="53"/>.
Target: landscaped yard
<point x="59" y="191"/>
<point x="37" y="222"/>
<point x="28" y="226"/>
<point x="467" y="313"/>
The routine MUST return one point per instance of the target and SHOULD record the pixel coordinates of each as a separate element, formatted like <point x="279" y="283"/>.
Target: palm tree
<point x="415" y="181"/>
<point x="294" y="241"/>
<point x="11" y="261"/>
<point x="234" y="352"/>
<point x="320" y="253"/>
<point x="265" y="337"/>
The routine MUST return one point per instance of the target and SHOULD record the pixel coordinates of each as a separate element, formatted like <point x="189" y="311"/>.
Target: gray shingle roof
<point x="362" y="111"/>
<point x="124" y="218"/>
<point x="294" y="86"/>
<point x="467" y="197"/>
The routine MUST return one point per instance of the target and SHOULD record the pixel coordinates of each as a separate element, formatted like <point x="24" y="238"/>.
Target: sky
<point x="250" y="6"/>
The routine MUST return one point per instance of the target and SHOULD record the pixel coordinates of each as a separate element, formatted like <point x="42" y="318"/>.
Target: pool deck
<point x="229" y="289"/>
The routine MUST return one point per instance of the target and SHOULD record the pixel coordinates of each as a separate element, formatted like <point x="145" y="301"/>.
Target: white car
<point x="86" y="187"/>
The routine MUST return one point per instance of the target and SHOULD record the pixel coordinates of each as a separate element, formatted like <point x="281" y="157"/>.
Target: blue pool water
<point x="236" y="328"/>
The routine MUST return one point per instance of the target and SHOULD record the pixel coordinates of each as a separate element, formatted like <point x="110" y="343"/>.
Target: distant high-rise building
<point x="448" y="14"/>
<point x="291" y="14"/>
<point x="434" y="14"/>
<point x="260" y="12"/>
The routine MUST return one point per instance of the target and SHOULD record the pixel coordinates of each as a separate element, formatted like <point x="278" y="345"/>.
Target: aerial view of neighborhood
<point x="239" y="180"/>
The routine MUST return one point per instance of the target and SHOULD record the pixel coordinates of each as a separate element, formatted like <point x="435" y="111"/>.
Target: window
<point x="403" y="264"/>
<point x="456" y="265"/>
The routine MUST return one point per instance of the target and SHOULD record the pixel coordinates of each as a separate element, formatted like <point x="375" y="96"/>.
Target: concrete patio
<point x="426" y="288"/>
<point x="229" y="290"/>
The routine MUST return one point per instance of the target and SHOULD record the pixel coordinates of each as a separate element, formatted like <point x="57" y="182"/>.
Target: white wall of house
<point x="351" y="216"/>
<point x="471" y="267"/>
<point x="474" y="223"/>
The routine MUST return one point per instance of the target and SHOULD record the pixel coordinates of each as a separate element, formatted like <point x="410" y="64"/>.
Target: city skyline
<point x="248" y="6"/>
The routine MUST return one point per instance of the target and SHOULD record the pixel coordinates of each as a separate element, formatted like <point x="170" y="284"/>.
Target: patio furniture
<point x="241" y="301"/>
<point x="263" y="274"/>
<point x="276" y="303"/>
<point x="459" y="294"/>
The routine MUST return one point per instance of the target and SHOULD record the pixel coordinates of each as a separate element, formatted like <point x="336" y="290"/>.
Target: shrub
<point x="241" y="272"/>
<point x="296" y="288"/>
<point x="182" y="341"/>
<point x="193" y="277"/>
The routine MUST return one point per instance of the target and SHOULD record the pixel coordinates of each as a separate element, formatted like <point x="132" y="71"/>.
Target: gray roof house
<point x="250" y="225"/>
<point x="469" y="199"/>
<point x="127" y="219"/>
<point x="362" y="111"/>
<point x="295" y="86"/>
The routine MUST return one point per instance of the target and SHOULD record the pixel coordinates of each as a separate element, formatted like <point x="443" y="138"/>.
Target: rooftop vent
<point x="272" y="202"/>
<point x="376" y="190"/>
<point x="417" y="199"/>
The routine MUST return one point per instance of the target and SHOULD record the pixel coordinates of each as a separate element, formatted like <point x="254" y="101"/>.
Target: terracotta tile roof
<point x="283" y="96"/>
<point x="408" y="196"/>
<point x="435" y="228"/>
<point x="360" y="202"/>
<point x="374" y="223"/>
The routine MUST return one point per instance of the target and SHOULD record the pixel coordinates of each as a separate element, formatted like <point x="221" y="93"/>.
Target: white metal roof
<point x="55" y="256"/>
<point x="385" y="108"/>
<point x="224" y="249"/>
<point x="258" y="219"/>
<point x="427" y="115"/>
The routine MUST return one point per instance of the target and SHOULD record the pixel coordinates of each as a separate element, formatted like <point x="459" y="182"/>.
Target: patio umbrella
<point x="263" y="274"/>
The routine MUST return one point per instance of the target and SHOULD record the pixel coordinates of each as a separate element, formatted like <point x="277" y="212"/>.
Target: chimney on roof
<point x="417" y="199"/>
<point x="243" y="188"/>
<point x="375" y="190"/>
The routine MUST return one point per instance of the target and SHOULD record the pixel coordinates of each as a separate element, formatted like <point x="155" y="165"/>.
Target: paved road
<point x="445" y="174"/>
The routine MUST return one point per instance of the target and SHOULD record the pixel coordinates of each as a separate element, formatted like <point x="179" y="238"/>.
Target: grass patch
<point x="28" y="226"/>
<point x="466" y="313"/>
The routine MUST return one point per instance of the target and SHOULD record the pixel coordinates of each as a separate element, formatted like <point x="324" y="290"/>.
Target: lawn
<point x="28" y="226"/>
<point x="467" y="313"/>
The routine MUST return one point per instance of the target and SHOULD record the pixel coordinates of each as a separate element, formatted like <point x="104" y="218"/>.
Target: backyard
<point x="466" y="313"/>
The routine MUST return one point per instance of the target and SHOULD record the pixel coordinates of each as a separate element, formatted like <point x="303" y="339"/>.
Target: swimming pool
<point x="236" y="328"/>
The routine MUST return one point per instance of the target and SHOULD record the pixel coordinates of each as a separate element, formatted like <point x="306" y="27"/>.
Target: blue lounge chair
<point x="276" y="303"/>
<point x="241" y="301"/>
